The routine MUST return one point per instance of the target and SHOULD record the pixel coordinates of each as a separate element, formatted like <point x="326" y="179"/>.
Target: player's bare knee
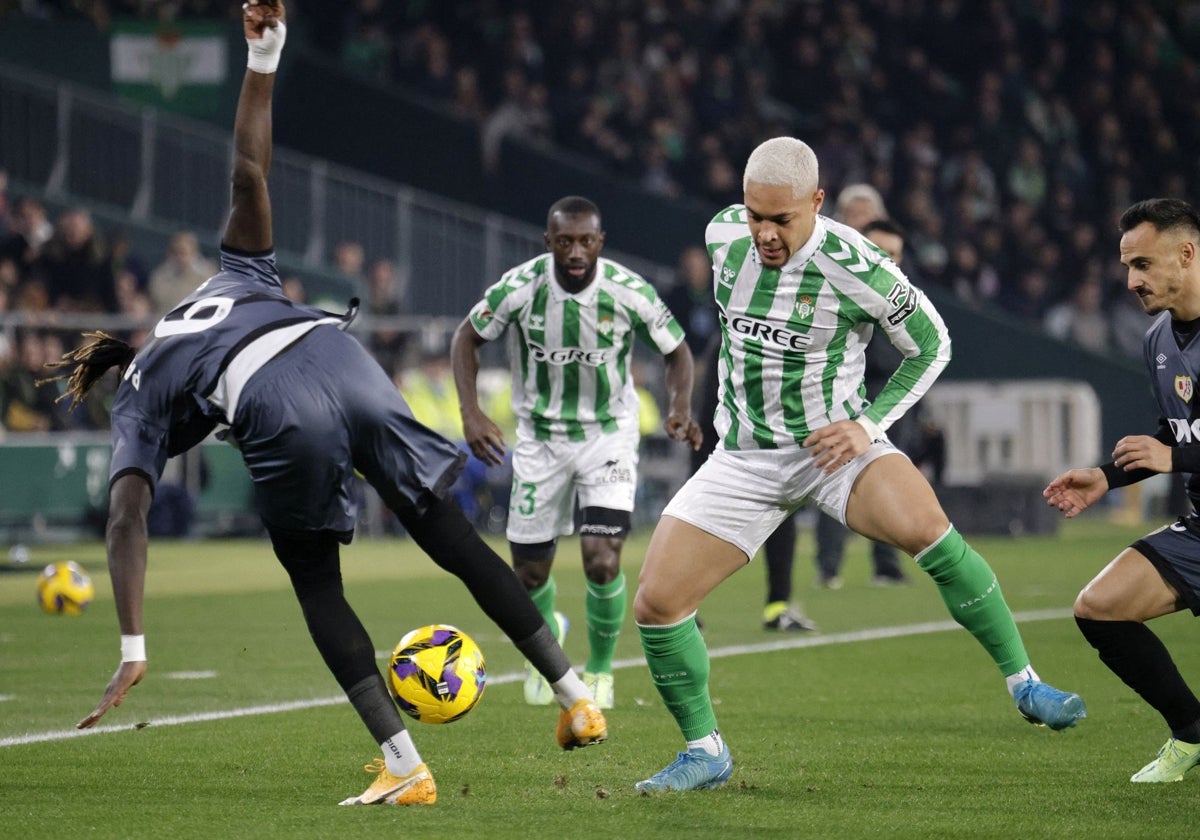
<point x="925" y="530"/>
<point x="1090" y="603"/>
<point x="656" y="607"/>
<point x="532" y="575"/>
<point x="645" y="610"/>
<point x="601" y="559"/>
<point x="532" y="562"/>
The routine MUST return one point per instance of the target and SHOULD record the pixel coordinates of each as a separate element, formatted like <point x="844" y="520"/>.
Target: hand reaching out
<point x="1075" y="490"/>
<point x="126" y="677"/>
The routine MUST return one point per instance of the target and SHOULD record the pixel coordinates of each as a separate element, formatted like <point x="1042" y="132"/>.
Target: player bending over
<point x="308" y="406"/>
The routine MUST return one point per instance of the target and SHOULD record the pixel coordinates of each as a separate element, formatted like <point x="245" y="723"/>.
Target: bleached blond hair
<point x="783" y="161"/>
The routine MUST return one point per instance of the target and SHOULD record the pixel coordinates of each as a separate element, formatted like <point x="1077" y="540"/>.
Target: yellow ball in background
<point x="64" y="589"/>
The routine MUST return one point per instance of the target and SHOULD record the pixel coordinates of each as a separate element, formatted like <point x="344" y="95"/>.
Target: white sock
<point x="1014" y="680"/>
<point x="400" y="754"/>
<point x="569" y="689"/>
<point x="712" y="743"/>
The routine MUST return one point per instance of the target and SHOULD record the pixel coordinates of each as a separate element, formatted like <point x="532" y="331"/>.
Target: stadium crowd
<point x="1005" y="138"/>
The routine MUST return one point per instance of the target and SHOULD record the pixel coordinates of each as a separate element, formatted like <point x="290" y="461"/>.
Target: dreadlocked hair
<point x="91" y="362"/>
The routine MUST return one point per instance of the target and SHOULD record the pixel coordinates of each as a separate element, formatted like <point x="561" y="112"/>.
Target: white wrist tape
<point x="263" y="55"/>
<point x="873" y="431"/>
<point x="133" y="648"/>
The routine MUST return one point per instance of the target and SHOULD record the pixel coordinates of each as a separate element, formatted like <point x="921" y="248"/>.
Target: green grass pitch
<point x="889" y="723"/>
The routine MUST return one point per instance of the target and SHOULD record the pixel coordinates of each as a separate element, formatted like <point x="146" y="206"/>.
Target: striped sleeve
<point x="503" y="300"/>
<point x="916" y="329"/>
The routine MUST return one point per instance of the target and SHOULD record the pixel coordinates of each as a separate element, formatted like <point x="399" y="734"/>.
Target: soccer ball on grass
<point x="64" y="589"/>
<point x="436" y="674"/>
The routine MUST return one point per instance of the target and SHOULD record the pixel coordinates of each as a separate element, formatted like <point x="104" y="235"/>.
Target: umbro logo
<point x="1161" y="358"/>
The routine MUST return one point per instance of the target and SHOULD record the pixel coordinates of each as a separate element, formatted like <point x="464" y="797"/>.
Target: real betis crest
<point x="1183" y="388"/>
<point x="804" y="307"/>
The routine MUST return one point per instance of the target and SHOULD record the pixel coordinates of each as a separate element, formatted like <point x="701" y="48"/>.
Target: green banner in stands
<point x="180" y="66"/>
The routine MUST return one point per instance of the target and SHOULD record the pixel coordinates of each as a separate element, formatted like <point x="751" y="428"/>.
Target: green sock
<point x="969" y="587"/>
<point x="604" y="605"/>
<point x="543" y="599"/>
<point x="678" y="661"/>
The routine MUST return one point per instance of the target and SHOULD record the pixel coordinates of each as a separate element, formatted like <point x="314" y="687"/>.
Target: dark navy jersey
<point x="189" y="374"/>
<point x="1175" y="371"/>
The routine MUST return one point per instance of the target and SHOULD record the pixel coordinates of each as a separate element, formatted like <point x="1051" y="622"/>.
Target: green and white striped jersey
<point x="793" y="339"/>
<point x="571" y="354"/>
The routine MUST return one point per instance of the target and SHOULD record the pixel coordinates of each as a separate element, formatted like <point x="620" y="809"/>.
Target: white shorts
<point x="743" y="496"/>
<point x="548" y="475"/>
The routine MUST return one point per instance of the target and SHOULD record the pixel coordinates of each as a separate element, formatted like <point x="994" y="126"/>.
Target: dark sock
<point x="780" y="550"/>
<point x="1132" y="652"/>
<point x="545" y="654"/>
<point x="375" y="706"/>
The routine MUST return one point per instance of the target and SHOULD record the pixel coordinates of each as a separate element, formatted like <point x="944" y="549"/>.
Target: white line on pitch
<point x="805" y="641"/>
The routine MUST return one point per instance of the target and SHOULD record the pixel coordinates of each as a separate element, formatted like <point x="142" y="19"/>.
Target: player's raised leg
<point x="892" y="502"/>
<point x="444" y="533"/>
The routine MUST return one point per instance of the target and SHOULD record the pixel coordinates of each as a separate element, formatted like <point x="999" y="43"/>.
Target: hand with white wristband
<point x="265" y="30"/>
<point x="128" y="674"/>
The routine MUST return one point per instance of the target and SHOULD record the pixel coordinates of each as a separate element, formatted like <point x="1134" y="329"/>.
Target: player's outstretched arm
<point x="1076" y="490"/>
<point x="129" y="505"/>
<point x="249" y="226"/>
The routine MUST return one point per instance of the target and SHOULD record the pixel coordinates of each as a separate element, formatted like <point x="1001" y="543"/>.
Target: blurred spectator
<point x="24" y="407"/>
<point x="293" y="289"/>
<point x="367" y="47"/>
<point x="649" y="413"/>
<point x="467" y="101"/>
<point x="859" y="204"/>
<point x="431" y="394"/>
<point x="691" y="298"/>
<point x="1080" y="319"/>
<point x="76" y="267"/>
<point x="30" y="231"/>
<point x="1029" y="298"/>
<point x="10" y="278"/>
<point x="349" y="259"/>
<point x="523" y="113"/>
<point x="973" y="281"/>
<point x="125" y="259"/>
<point x="179" y="274"/>
<point x="6" y="220"/>
<point x="131" y="300"/>
<point x="1026" y="178"/>
<point x="1129" y="322"/>
<point x="989" y="125"/>
<point x="386" y="344"/>
<point x="7" y="333"/>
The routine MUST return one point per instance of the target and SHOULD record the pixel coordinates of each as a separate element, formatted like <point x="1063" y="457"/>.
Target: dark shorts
<point x="313" y="415"/>
<point x="1175" y="551"/>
